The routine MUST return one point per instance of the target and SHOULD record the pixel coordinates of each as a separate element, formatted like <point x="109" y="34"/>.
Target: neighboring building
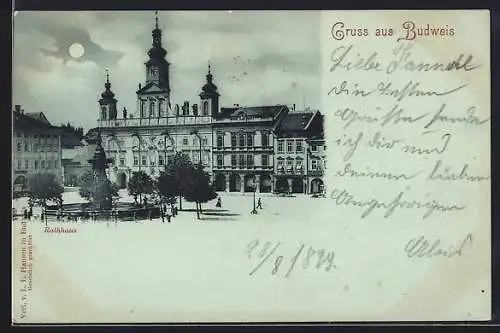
<point x="243" y="150"/>
<point x="236" y="145"/>
<point x="74" y="159"/>
<point x="316" y="164"/>
<point x="36" y="146"/>
<point x="294" y="156"/>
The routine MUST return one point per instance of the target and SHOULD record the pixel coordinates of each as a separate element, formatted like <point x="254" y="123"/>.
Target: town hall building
<point x="237" y="146"/>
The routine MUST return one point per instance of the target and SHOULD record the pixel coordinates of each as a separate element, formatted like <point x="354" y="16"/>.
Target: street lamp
<point x="139" y="145"/>
<point x="195" y="132"/>
<point x="165" y="135"/>
<point x="254" y="185"/>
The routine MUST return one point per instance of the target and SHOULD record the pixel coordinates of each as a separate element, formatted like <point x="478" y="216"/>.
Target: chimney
<point x="18" y="108"/>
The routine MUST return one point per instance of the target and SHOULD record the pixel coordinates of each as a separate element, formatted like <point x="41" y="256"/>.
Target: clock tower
<point x="153" y="99"/>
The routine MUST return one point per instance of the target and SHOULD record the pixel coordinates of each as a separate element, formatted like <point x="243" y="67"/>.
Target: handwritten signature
<point x="422" y="248"/>
<point x="307" y="256"/>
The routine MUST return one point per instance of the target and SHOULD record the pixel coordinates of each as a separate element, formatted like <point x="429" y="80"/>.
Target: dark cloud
<point x="64" y="37"/>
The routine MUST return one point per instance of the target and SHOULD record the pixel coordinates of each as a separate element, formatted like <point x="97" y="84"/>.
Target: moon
<point x="76" y="50"/>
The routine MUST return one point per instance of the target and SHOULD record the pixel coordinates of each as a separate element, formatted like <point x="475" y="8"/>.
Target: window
<point x="26" y="147"/>
<point x="195" y="141"/>
<point x="55" y="164"/>
<point x="36" y="164"/>
<point x="250" y="161"/>
<point x="265" y="139"/>
<point x="280" y="164"/>
<point x="19" y="164"/>
<point x="152" y="161"/>
<point x="242" y="140"/>
<point x="289" y="146"/>
<point x="298" y="164"/>
<point x="19" y="146"/>
<point x="242" y="161"/>
<point x="280" y="146"/>
<point x="314" y="164"/>
<point x="196" y="157"/>
<point x="185" y="141"/>
<point x="250" y="139"/>
<point x="220" y="140"/>
<point x="161" y="160"/>
<point x="27" y="164"/>
<point x="161" y="108"/>
<point x="136" y="160"/>
<point x="205" y="141"/>
<point x="299" y="146"/>
<point x="103" y="113"/>
<point x="43" y="164"/>
<point x="143" y="160"/>
<point x="220" y="160"/>
<point x="205" y="108"/>
<point x="143" y="109"/>
<point x="289" y="164"/>
<point x="35" y="147"/>
<point x="314" y="148"/>
<point x="152" y="106"/>
<point x="233" y="140"/>
<point x="49" y="164"/>
<point x="122" y="161"/>
<point x="265" y="160"/>
<point x="233" y="160"/>
<point x="49" y="147"/>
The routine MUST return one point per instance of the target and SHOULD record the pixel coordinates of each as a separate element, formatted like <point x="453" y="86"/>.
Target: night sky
<point x="257" y="58"/>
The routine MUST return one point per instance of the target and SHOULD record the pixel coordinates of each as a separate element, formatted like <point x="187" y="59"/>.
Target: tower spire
<point x="107" y="85"/>
<point x="156" y="19"/>
<point x="209" y="74"/>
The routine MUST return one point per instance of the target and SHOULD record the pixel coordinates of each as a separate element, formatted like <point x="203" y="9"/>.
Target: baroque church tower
<point x="209" y="97"/>
<point x="107" y="102"/>
<point x="153" y="99"/>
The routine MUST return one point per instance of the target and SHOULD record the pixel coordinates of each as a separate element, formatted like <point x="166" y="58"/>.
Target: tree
<point x="100" y="193"/>
<point x="197" y="188"/>
<point x="179" y="167"/>
<point x="140" y="183"/>
<point x="44" y="186"/>
<point x="70" y="129"/>
<point x="167" y="187"/>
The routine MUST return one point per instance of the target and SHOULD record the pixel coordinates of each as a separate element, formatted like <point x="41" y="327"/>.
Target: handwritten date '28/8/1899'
<point x="268" y="254"/>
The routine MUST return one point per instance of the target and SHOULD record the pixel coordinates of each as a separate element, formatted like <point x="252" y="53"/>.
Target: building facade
<point x="36" y="147"/>
<point x="236" y="145"/>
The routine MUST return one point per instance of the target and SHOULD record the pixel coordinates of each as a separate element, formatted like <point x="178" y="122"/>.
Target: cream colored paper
<point x="204" y="271"/>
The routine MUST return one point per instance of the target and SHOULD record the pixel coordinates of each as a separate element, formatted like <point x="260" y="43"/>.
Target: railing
<point x="242" y="148"/>
<point x="242" y="168"/>
<point x="165" y="121"/>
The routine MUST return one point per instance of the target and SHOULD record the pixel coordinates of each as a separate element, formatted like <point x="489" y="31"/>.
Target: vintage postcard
<point x="251" y="166"/>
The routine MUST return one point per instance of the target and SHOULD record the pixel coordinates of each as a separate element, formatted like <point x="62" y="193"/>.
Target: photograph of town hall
<point x="275" y="149"/>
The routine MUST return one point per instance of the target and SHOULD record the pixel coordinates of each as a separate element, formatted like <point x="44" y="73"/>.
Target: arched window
<point x="205" y="108"/>
<point x="242" y="140"/>
<point x="103" y="113"/>
<point x="161" y="106"/>
<point x="152" y="105"/>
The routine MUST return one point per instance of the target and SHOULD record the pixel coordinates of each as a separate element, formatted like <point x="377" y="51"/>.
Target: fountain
<point x="101" y="205"/>
<point x="103" y="197"/>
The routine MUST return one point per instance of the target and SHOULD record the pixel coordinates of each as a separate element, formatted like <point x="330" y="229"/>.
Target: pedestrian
<point x="175" y="211"/>
<point x="169" y="213"/>
<point x="25" y="214"/>
<point x="219" y="203"/>
<point x="30" y="213"/>
<point x="259" y="204"/>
